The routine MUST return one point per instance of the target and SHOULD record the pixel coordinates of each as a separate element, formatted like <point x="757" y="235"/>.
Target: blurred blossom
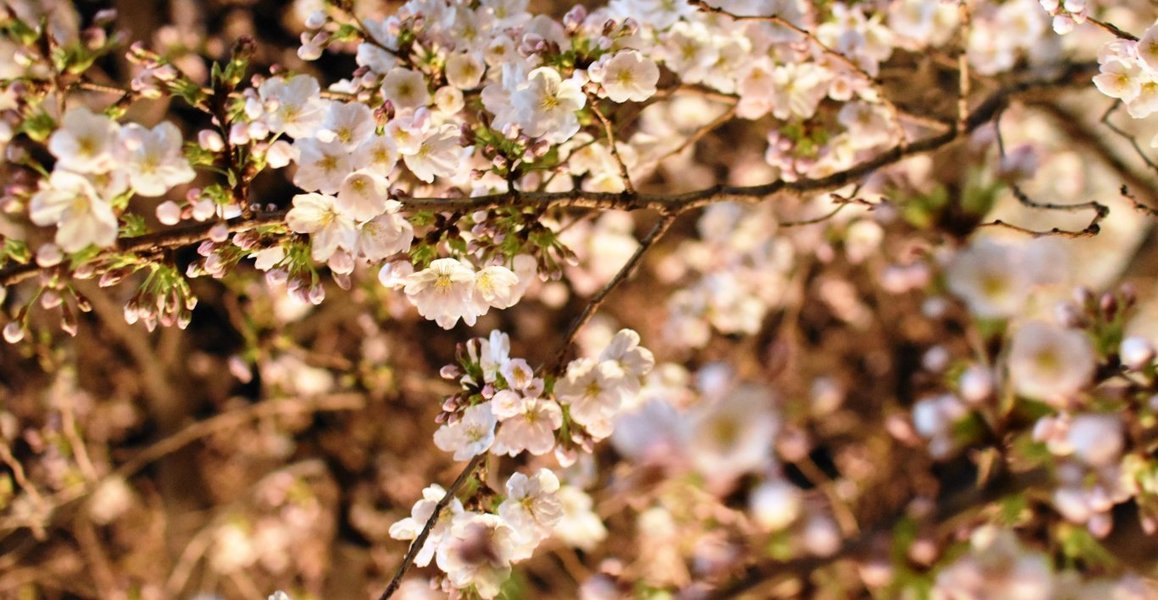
<point x="1050" y="363"/>
<point x="997" y="566"/>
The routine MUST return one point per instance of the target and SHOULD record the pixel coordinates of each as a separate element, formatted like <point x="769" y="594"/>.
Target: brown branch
<point x="1101" y="211"/>
<point x="665" y="203"/>
<point x="1132" y="140"/>
<point x="610" y="133"/>
<point x="1112" y="29"/>
<point x="420" y="541"/>
<point x="657" y="231"/>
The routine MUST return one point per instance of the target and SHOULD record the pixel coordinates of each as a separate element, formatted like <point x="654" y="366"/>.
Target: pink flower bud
<point x="169" y="213"/>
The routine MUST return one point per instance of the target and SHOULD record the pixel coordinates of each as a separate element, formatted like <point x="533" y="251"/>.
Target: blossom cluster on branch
<point x="877" y="359"/>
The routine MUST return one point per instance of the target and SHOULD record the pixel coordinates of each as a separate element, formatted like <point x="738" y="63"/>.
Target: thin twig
<point x="420" y="541"/>
<point x="1133" y="140"/>
<point x="1138" y="205"/>
<point x="1089" y="231"/>
<point x="1112" y="29"/>
<point x="610" y="133"/>
<point x="1101" y="211"/>
<point x="657" y="231"/>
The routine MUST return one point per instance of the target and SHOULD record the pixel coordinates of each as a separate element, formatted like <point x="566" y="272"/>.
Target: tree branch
<point x="420" y="541"/>
<point x="664" y="203"/>
<point x="600" y="297"/>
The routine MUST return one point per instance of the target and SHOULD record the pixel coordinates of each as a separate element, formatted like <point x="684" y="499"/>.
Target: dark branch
<point x="663" y="203"/>
<point x="420" y="541"/>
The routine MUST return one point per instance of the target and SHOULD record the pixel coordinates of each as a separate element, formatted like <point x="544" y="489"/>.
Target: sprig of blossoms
<point x="99" y="164"/>
<point x="505" y="409"/>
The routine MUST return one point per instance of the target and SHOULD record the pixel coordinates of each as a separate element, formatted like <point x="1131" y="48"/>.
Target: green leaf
<point x="17" y="251"/>
<point x="1078" y="544"/>
<point x="133" y="225"/>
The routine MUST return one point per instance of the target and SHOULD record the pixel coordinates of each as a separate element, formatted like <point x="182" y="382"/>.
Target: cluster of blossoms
<point x="504" y="409"/>
<point x="1065" y="366"/>
<point x="99" y="165"/>
<point x="476" y="549"/>
<point x="1128" y="71"/>
<point x="485" y="101"/>
<point x="998" y="566"/>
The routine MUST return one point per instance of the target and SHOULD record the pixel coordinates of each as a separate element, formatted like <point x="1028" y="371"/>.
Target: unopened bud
<point x="49" y="255"/>
<point x="210" y="140"/>
<point x="13" y="332"/>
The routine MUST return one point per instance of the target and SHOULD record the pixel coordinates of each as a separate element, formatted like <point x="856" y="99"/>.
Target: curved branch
<point x="420" y="541"/>
<point x="600" y="297"/>
<point x="663" y="203"/>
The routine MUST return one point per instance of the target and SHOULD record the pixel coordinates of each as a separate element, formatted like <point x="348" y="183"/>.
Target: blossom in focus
<point x="385" y="235"/>
<point x="329" y="229"/>
<point x="471" y="435"/>
<point x="86" y="142"/>
<point x="626" y="76"/>
<point x="363" y="196"/>
<point x="443" y="292"/>
<point x="546" y="105"/>
<point x="82" y="215"/>
<point x="531" y="507"/>
<point x="528" y="423"/>
<point x="591" y="389"/>
<point x="153" y="159"/>
<point x="410" y="527"/>
<point x="294" y="104"/>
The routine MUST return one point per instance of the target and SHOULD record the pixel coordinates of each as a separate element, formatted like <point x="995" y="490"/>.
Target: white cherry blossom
<point x="73" y="204"/>
<point x="348" y="124"/>
<point x="153" y="159"/>
<point x="322" y="167"/>
<point x="546" y="105"/>
<point x="528" y="423"/>
<point x="295" y="105"/>
<point x="363" y="196"/>
<point x="385" y="235"/>
<point x="471" y="435"/>
<point x="626" y="76"/>
<point x="405" y="88"/>
<point x="86" y="142"/>
<point x="531" y="508"/>
<point x="443" y="292"/>
<point x="329" y="228"/>
<point x="410" y="527"/>
<point x="478" y="552"/>
<point x="1050" y="363"/>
